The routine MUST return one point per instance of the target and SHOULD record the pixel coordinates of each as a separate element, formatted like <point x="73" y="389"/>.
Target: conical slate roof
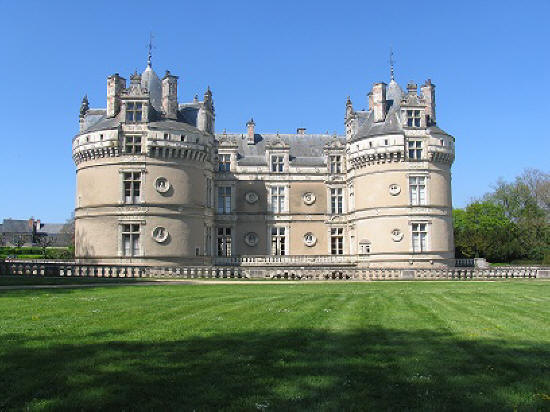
<point x="151" y="81"/>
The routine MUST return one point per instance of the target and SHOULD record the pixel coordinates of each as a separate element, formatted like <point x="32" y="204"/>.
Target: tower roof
<point x="394" y="92"/>
<point x="151" y="82"/>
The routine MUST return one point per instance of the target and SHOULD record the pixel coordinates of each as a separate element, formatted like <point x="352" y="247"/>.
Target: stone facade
<point x="157" y="186"/>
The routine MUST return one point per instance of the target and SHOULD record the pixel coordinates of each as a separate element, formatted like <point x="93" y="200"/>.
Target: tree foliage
<point x="511" y="222"/>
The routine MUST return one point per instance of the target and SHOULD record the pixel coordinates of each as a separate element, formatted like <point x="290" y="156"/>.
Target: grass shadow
<point x="373" y="368"/>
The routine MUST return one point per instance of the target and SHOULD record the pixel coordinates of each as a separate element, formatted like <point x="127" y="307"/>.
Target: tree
<point x="44" y="241"/>
<point x="68" y="231"/>
<point x="482" y="229"/>
<point x="18" y="241"/>
<point x="526" y="201"/>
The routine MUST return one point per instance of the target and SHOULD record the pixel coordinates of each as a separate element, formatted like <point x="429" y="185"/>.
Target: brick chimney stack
<point x="428" y="93"/>
<point x="115" y="84"/>
<point x="170" y="96"/>
<point x="250" y="131"/>
<point x="379" y="101"/>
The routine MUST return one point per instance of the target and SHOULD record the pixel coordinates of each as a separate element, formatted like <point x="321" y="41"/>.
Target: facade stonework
<point x="157" y="186"/>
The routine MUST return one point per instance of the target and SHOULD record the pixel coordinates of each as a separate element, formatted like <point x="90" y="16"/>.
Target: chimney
<point x="115" y="84"/>
<point x="170" y="96"/>
<point x="412" y="88"/>
<point x="301" y="130"/>
<point x="371" y="101"/>
<point x="379" y="101"/>
<point x="250" y="131"/>
<point x="84" y="107"/>
<point x="428" y="93"/>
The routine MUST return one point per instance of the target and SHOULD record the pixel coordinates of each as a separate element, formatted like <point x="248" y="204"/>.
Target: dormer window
<point x="413" y="118"/>
<point x="224" y="162"/>
<point x="335" y="164"/>
<point x="277" y="164"/>
<point x="166" y="136"/>
<point x="134" y="112"/>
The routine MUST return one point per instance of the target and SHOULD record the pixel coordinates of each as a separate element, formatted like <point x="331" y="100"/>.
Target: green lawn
<point x="304" y="346"/>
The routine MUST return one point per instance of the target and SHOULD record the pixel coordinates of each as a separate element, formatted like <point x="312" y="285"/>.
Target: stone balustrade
<point x="328" y="271"/>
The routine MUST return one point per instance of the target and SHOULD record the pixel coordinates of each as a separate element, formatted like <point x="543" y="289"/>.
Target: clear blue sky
<point x="286" y="63"/>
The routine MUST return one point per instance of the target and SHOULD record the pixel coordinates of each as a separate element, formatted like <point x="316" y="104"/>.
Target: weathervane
<point x="391" y="63"/>
<point x="150" y="49"/>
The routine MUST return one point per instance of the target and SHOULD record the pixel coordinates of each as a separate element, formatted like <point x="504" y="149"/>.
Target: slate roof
<point x="305" y="149"/>
<point x="15" y="226"/>
<point x="392" y="124"/>
<point x="51" y="228"/>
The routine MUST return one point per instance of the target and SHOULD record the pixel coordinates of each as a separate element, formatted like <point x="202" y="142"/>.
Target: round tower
<point x="144" y="175"/>
<point x="399" y="165"/>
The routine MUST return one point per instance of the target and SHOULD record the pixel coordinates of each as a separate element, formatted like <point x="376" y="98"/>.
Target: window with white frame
<point x="417" y="190"/>
<point x="335" y="164"/>
<point x="277" y="163"/>
<point x="413" y="118"/>
<point x="130" y="239"/>
<point x="415" y="149"/>
<point x="337" y="241"/>
<point x="277" y="199"/>
<point x="132" y="144"/>
<point x="132" y="187"/>
<point x="224" y="162"/>
<point x="336" y="201"/>
<point x="224" y="241"/>
<point x="208" y="192"/>
<point x="134" y="112"/>
<point x="224" y="199"/>
<point x="278" y="240"/>
<point x="419" y="237"/>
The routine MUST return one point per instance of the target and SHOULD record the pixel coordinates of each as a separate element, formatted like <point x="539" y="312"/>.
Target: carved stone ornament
<point x="251" y="239"/>
<point x="251" y="197"/>
<point x="162" y="185"/>
<point x="395" y="189"/>
<point x="309" y="198"/>
<point x="310" y="239"/>
<point x="160" y="234"/>
<point x="396" y="235"/>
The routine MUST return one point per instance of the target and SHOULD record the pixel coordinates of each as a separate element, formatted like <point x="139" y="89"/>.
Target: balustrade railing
<point x="329" y="271"/>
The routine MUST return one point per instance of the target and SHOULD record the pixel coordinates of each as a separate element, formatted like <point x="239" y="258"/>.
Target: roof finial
<point x="391" y="64"/>
<point x="150" y="49"/>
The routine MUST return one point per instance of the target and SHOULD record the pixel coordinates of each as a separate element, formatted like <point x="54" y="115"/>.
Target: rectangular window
<point x="278" y="245"/>
<point x="208" y="192"/>
<point x="277" y="164"/>
<point x="364" y="248"/>
<point x="335" y="164"/>
<point x="413" y="118"/>
<point x="336" y="201"/>
<point x="208" y="241"/>
<point x="134" y="112"/>
<point x="415" y="149"/>
<point x="224" y="162"/>
<point x="336" y="241"/>
<point x="132" y="186"/>
<point x="132" y="144"/>
<point x="419" y="237"/>
<point x="224" y="199"/>
<point x="277" y="199"/>
<point x="417" y="189"/>
<point x="130" y="240"/>
<point x="224" y="241"/>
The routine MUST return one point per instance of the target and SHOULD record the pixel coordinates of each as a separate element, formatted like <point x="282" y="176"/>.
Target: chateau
<point x="156" y="186"/>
